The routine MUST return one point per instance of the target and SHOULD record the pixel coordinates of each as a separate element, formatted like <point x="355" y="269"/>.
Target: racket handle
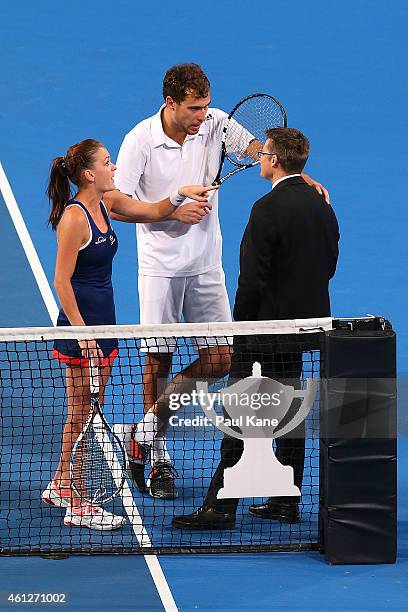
<point x="93" y="376"/>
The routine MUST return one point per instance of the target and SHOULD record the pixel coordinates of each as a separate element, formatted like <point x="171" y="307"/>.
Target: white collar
<point x="283" y="178"/>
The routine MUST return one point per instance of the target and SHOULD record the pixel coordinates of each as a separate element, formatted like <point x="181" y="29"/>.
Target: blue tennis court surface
<point x="78" y="70"/>
<point x="21" y="302"/>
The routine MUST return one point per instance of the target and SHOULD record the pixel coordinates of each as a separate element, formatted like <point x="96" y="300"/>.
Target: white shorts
<point x="201" y="298"/>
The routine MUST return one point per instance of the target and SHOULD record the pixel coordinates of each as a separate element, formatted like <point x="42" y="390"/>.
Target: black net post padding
<point x="358" y="447"/>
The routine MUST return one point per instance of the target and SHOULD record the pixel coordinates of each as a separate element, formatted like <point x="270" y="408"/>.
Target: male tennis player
<point x="180" y="269"/>
<point x="288" y="255"/>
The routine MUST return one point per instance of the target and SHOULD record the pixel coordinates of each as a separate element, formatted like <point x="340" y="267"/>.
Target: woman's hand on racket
<point x="318" y="186"/>
<point x="199" y="193"/>
<point x="91" y="350"/>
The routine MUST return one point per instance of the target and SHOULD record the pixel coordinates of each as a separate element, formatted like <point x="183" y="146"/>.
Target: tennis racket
<point x="98" y="459"/>
<point x="244" y="132"/>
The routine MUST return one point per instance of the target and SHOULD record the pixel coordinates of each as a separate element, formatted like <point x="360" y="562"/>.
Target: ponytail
<point x="58" y="190"/>
<point x="65" y="169"/>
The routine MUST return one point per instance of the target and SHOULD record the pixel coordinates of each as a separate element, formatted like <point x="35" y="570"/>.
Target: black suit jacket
<point x="288" y="255"/>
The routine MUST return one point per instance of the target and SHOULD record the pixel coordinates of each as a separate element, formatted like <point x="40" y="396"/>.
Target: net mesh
<point x="35" y="406"/>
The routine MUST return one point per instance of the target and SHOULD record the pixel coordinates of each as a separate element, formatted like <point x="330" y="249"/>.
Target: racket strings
<point x="97" y="465"/>
<point x="247" y="125"/>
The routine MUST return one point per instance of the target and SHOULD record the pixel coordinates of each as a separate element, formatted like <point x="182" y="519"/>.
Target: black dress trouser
<point x="285" y="368"/>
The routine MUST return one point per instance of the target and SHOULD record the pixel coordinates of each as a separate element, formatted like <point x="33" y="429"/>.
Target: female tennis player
<point x="87" y="244"/>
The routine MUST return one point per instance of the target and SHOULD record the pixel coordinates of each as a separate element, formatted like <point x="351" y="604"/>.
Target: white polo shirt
<point x="151" y="166"/>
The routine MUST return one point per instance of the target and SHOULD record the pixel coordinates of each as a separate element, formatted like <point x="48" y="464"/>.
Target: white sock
<point x="147" y="429"/>
<point x="159" y="451"/>
<point x="124" y="433"/>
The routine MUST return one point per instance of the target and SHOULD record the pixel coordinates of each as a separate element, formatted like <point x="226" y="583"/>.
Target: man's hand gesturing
<point x="191" y="213"/>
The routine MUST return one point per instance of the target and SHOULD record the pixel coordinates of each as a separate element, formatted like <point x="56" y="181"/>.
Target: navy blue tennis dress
<point x="92" y="285"/>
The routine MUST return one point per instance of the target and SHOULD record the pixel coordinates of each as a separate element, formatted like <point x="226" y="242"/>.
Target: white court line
<point x="152" y="561"/>
<point x="28" y="247"/>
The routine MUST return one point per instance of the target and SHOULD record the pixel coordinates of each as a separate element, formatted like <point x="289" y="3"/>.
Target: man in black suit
<point x="288" y="255"/>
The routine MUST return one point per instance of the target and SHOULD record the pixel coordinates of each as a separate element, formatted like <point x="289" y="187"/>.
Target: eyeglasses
<point x="260" y="153"/>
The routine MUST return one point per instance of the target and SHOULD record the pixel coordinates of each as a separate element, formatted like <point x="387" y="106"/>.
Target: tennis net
<point x="33" y="408"/>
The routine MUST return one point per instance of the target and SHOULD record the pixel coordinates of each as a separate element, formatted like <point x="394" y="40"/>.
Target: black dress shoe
<point x="283" y="512"/>
<point x="205" y="518"/>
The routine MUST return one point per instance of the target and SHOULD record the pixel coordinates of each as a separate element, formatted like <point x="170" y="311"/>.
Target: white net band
<point x="178" y="330"/>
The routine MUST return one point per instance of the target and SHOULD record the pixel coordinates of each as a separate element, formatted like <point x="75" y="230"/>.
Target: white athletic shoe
<point x="93" y="517"/>
<point x="56" y="496"/>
